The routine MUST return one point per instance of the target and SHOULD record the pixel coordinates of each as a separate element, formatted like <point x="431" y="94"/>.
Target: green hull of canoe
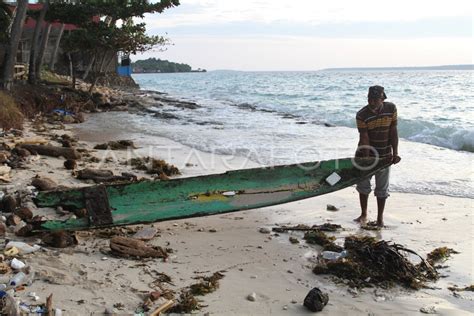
<point x="153" y="201"/>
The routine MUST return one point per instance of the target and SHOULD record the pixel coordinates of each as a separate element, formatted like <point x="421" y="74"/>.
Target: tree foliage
<point x="5" y="21"/>
<point x="157" y="65"/>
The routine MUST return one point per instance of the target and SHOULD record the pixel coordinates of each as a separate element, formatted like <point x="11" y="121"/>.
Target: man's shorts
<point x="381" y="184"/>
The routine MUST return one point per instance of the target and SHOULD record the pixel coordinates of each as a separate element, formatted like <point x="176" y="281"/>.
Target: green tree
<point x="103" y="39"/>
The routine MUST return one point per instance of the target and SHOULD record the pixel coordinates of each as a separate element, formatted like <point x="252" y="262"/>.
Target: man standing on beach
<point x="378" y="136"/>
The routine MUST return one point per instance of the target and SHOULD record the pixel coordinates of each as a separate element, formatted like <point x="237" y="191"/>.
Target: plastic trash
<point x="11" y="306"/>
<point x="229" y="193"/>
<point x="13" y="251"/>
<point x="333" y="255"/>
<point x="333" y="179"/>
<point x="17" y="264"/>
<point x="22" y="247"/>
<point x="17" y="279"/>
<point x="62" y="112"/>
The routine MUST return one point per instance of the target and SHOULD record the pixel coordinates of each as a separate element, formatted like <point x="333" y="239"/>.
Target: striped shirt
<point x="377" y="125"/>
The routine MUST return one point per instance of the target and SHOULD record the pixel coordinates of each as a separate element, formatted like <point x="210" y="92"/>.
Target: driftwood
<point x="130" y="247"/>
<point x="102" y="175"/>
<point x="163" y="308"/>
<point x="53" y="151"/>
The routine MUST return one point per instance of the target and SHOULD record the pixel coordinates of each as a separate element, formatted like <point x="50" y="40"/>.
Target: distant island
<point x="445" y="67"/>
<point x="153" y="65"/>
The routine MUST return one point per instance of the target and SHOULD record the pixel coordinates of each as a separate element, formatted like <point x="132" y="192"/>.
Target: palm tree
<point x="11" y="47"/>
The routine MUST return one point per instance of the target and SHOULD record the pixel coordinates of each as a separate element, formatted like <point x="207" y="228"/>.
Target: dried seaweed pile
<point x="187" y="302"/>
<point x="370" y="262"/>
<point x="315" y="234"/>
<point x="320" y="238"/>
<point x="207" y="284"/>
<point x="154" y="166"/>
<point x="440" y="254"/>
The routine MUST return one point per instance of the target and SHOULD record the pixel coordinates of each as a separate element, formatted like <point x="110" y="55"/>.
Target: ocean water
<point x="287" y="117"/>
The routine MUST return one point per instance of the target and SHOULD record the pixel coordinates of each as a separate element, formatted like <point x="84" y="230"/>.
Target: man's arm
<point x="394" y="142"/>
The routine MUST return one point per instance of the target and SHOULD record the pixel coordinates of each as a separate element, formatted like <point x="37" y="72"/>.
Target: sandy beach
<point x="88" y="280"/>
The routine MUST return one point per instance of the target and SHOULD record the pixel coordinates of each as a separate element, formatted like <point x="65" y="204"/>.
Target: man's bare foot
<point x="361" y="219"/>
<point x="380" y="224"/>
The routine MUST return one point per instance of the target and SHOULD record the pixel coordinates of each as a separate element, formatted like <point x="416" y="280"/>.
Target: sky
<point x="290" y="35"/>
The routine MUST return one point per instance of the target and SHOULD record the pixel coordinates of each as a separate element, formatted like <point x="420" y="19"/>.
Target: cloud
<point x="198" y="12"/>
<point x="309" y="53"/>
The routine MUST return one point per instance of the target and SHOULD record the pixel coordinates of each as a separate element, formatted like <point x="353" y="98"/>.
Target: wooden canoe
<point x="153" y="201"/>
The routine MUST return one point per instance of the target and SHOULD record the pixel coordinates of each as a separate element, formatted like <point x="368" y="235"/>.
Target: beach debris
<point x="322" y="239"/>
<point x="25" y="231"/>
<point x="8" y="204"/>
<point x="4" y="155"/>
<point x="3" y="229"/>
<point x="163" y="308"/>
<point x="24" y="213"/>
<point x="264" y="230"/>
<point x="59" y="239"/>
<point x="8" y="304"/>
<point x="21" y="247"/>
<point x="10" y="252"/>
<point x="440" y="254"/>
<point x="327" y="227"/>
<point x="53" y="151"/>
<point x="5" y="173"/>
<point x="145" y="234"/>
<point x="207" y="284"/>
<point x="17" y="264"/>
<point x="428" y="310"/>
<point x="371" y="262"/>
<point x="102" y="175"/>
<point x="154" y="166"/>
<point x="4" y="268"/>
<point x="70" y="164"/>
<point x="460" y="289"/>
<point x="43" y="183"/>
<point x="116" y="145"/>
<point x="18" y="279"/>
<point x="185" y="304"/>
<point x="294" y="240"/>
<point x="130" y="247"/>
<point x="333" y="255"/>
<point x="331" y="208"/>
<point x="315" y="300"/>
<point x="252" y="297"/>
<point x="13" y="220"/>
<point x="154" y="295"/>
<point x="49" y="304"/>
<point x="21" y="152"/>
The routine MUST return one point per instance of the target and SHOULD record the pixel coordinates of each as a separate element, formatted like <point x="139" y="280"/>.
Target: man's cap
<point x="377" y="92"/>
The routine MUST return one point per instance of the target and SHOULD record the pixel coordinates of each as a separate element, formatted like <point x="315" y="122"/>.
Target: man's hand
<point x="396" y="159"/>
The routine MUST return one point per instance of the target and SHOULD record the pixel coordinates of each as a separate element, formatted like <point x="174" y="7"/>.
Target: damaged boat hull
<point x="153" y="201"/>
